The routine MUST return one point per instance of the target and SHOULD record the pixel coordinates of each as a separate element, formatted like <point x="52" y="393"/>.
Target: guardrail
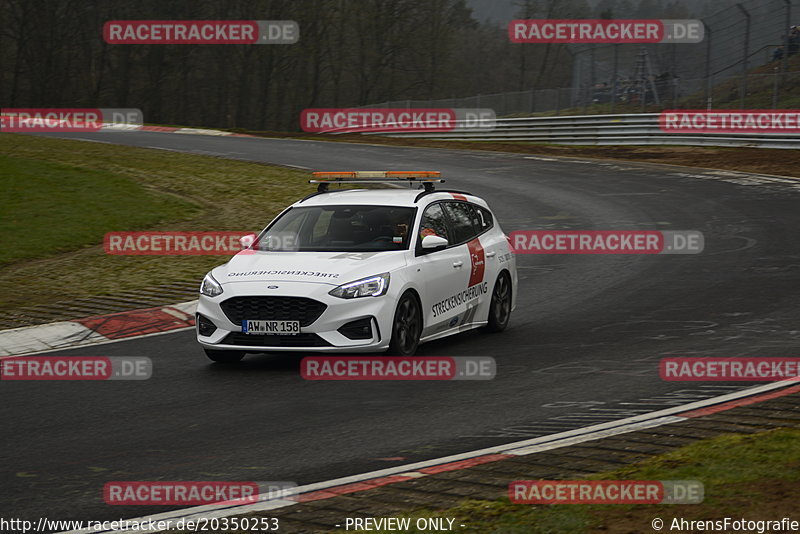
<point x="631" y="129"/>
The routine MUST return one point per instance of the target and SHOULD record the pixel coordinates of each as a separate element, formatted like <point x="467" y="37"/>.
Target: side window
<point x="433" y="222"/>
<point x="464" y="221"/>
<point x="484" y="218"/>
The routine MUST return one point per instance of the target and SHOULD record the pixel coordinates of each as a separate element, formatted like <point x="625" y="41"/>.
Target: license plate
<point x="271" y="327"/>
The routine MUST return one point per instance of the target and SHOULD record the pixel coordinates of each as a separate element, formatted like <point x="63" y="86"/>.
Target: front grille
<point x="239" y="309"/>
<point x="258" y="340"/>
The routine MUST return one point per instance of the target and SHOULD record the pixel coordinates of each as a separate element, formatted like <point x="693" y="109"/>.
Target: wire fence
<point x="775" y="90"/>
<point x="748" y="59"/>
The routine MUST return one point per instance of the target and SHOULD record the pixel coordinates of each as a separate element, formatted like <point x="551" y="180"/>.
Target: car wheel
<point x="500" y="305"/>
<point x="224" y="356"/>
<point x="406" y="327"/>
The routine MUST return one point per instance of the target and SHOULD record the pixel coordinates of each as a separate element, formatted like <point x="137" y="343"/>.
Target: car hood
<point x="334" y="268"/>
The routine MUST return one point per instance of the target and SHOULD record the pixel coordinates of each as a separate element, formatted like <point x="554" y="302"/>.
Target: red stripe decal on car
<point x="478" y="261"/>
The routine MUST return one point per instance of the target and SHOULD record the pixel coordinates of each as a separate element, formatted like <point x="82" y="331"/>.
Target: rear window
<point x="485" y="220"/>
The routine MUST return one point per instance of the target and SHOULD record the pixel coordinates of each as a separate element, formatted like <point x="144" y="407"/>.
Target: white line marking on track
<point x="627" y="194"/>
<point x="520" y="448"/>
<point x="100" y="341"/>
<point x="46" y="338"/>
<point x="168" y="149"/>
<point x="92" y="140"/>
<point x="67" y="335"/>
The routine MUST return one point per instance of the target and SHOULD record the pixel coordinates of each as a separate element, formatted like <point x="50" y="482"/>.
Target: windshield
<point x="339" y="229"/>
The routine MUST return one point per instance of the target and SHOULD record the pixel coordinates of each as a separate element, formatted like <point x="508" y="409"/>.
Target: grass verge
<point x="54" y="208"/>
<point x="60" y="197"/>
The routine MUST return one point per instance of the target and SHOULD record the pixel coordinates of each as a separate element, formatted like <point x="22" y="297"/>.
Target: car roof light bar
<point x="376" y="174"/>
<point x="426" y="178"/>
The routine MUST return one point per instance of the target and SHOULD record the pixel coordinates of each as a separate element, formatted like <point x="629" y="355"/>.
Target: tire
<point x="225" y="356"/>
<point x="500" y="305"/>
<point x="406" y="326"/>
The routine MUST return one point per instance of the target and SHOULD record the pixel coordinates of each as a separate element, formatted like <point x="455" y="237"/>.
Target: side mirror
<point x="433" y="242"/>
<point x="246" y="241"/>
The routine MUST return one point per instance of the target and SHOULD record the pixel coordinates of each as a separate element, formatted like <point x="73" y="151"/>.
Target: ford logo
<point x="272" y="287"/>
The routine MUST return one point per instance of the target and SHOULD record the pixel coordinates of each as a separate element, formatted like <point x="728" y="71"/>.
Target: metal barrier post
<point x="709" y="89"/>
<point x="744" y="57"/>
<point x="558" y="101"/>
<point x="590" y="85"/>
<point x="775" y="88"/>
<point x="786" y="35"/>
<point x="614" y="79"/>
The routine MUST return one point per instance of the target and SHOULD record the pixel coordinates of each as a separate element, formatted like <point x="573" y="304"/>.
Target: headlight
<point x="210" y="287"/>
<point x="374" y="286"/>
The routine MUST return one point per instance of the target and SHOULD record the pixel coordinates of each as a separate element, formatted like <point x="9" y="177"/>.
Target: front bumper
<point x="321" y="335"/>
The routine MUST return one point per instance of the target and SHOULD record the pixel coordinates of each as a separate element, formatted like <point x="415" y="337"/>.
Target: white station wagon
<point x="362" y="270"/>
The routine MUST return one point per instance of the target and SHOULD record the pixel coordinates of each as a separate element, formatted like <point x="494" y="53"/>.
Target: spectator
<point x="794" y="40"/>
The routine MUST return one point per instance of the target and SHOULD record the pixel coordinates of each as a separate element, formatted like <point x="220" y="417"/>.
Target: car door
<point x="468" y="226"/>
<point x="443" y="274"/>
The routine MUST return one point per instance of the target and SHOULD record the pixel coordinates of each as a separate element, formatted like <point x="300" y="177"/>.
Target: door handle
<point x="491" y="254"/>
<point x="457" y="264"/>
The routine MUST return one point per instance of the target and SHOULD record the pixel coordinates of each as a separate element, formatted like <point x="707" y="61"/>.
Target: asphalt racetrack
<point x="583" y="345"/>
